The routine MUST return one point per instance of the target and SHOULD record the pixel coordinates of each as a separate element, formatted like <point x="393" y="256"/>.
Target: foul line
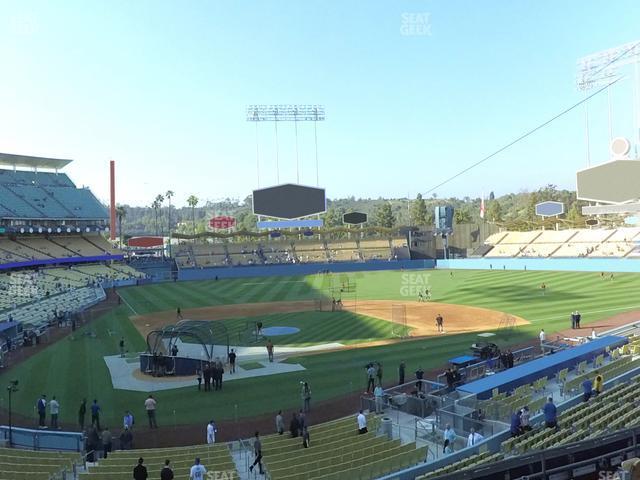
<point x="591" y="311"/>
<point x="265" y="283"/>
<point x="127" y="304"/>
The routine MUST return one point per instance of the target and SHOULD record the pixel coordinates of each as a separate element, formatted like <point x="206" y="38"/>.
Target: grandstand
<point x="45" y="221"/>
<point x="570" y="243"/>
<point x="120" y="464"/>
<point x="275" y="252"/>
<point x="613" y="410"/>
<point x="36" y="465"/>
<point x="339" y="452"/>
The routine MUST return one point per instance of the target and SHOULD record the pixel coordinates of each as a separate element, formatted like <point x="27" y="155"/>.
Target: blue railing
<point x="43" y="439"/>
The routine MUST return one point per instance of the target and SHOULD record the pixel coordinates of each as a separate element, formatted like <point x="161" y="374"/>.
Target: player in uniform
<point x="440" y="323"/>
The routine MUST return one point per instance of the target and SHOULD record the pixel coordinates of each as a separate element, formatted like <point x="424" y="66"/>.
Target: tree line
<point x="515" y="211"/>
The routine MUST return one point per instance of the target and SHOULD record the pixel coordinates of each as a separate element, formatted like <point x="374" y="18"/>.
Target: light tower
<point x="286" y="113"/>
<point x="602" y="68"/>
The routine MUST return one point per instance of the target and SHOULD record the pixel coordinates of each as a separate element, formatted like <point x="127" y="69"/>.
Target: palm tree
<point x="121" y="212"/>
<point x="192" y="201"/>
<point x="168" y="196"/>
<point x="154" y="205"/>
<point x="158" y="201"/>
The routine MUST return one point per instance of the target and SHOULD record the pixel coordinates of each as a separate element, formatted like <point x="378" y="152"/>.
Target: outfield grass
<point x="73" y="369"/>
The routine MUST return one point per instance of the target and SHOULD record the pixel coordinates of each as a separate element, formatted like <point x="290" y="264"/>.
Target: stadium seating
<point x="308" y="251"/>
<point x="120" y="463"/>
<point x="42" y="178"/>
<point x="32" y="196"/>
<point x="18" y="464"/>
<point x="520" y="238"/>
<point x="46" y="247"/>
<point x="376" y="249"/>
<point x="613" y="409"/>
<point x="286" y="251"/>
<point x="505" y="250"/>
<point x="469" y="462"/>
<point x="570" y="243"/>
<point x="338" y="452"/>
<point x="554" y="236"/>
<point x="39" y="314"/>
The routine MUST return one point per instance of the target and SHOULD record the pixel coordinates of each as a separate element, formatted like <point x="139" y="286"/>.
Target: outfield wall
<point x="300" y="269"/>
<point x="559" y="264"/>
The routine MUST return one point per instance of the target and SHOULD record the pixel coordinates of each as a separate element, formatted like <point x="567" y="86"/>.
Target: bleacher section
<point x="36" y="465"/>
<point x="28" y="248"/>
<point x="376" y="249"/>
<point x="39" y="314"/>
<point x="309" y="251"/>
<point x="194" y="255"/>
<point x="338" y="452"/>
<point x="119" y="464"/>
<point x="614" y="409"/>
<point x="31" y="297"/>
<point x="343" y="251"/>
<point x="89" y="246"/>
<point x="244" y="254"/>
<point x="568" y="243"/>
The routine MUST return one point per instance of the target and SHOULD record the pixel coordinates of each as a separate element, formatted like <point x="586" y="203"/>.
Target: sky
<point x="414" y="92"/>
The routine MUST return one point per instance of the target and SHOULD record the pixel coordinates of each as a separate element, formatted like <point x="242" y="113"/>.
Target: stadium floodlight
<point x="600" y="68"/>
<point x="286" y="113"/>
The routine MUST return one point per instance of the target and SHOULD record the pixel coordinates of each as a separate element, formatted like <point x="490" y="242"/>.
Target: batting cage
<point x="208" y="334"/>
<point x="337" y="297"/>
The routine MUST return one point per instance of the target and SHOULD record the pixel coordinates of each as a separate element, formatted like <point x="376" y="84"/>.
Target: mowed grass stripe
<point x="79" y="369"/>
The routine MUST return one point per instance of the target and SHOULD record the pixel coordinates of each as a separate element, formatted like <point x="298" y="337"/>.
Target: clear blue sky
<point x="162" y="88"/>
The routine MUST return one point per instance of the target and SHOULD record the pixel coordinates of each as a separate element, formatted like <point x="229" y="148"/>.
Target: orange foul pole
<point x="112" y="206"/>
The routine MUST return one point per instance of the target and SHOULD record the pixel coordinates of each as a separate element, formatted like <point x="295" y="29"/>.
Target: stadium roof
<point x="32" y="162"/>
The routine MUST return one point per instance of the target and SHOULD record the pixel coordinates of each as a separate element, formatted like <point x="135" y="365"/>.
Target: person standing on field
<point x="54" y="410"/>
<point x="401" y="370"/>
<point x="211" y="432"/>
<point x="279" y="423"/>
<point x="270" y="350"/>
<point x="379" y="372"/>
<point x="371" y="375"/>
<point x="42" y="411"/>
<point x="95" y="414"/>
<point x="232" y="361"/>
<point x="419" y="377"/>
<point x="306" y="397"/>
<point x="82" y="411"/>
<point x="150" y="406"/>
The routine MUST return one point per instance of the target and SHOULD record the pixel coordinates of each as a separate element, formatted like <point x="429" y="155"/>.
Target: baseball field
<point x="470" y="302"/>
